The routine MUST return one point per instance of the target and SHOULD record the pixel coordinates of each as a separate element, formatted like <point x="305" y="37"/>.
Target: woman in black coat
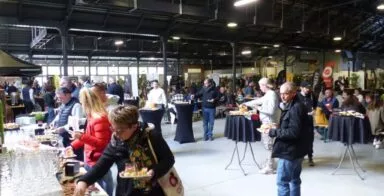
<point x="130" y="145"/>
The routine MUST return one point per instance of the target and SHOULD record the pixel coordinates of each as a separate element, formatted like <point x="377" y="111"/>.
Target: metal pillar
<point x="89" y="67"/>
<point x="178" y="66"/>
<point x="323" y="59"/>
<point x="285" y="51"/>
<point x="233" y="44"/>
<point x="138" y="65"/>
<point x="64" y="46"/>
<point x="164" y="47"/>
<point x="30" y="56"/>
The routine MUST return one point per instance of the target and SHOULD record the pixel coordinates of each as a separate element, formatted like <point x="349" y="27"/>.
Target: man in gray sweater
<point x="268" y="107"/>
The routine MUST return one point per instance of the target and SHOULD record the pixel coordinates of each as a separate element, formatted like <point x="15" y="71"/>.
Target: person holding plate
<point x="130" y="146"/>
<point x="292" y="141"/>
<point x="268" y="107"/>
<point x="97" y="134"/>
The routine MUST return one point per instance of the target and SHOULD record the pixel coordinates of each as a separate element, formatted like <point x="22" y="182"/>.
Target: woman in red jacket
<point x="97" y="134"/>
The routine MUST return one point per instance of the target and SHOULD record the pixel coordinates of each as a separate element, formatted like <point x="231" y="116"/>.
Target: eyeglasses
<point x="118" y="130"/>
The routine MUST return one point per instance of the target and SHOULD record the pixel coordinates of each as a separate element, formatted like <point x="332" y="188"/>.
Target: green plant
<point x="354" y="80"/>
<point x="39" y="116"/>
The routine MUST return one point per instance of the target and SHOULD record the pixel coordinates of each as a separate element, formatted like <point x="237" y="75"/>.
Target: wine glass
<point x="54" y="142"/>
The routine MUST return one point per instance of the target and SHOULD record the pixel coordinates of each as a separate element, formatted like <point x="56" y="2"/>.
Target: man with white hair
<point x="292" y="141"/>
<point x="268" y="107"/>
<point x="65" y="82"/>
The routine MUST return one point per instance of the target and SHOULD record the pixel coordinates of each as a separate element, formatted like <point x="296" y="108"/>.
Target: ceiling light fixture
<point x="119" y="42"/>
<point x="243" y="2"/>
<point x="265" y="47"/>
<point x="176" y="38"/>
<point x="246" y="52"/>
<point x="232" y="25"/>
<point x="99" y="38"/>
<point x="337" y="38"/>
<point x="380" y="6"/>
<point x="276" y="45"/>
<point x="337" y="51"/>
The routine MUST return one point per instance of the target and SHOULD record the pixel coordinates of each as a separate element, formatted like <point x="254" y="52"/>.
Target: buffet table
<point x="240" y="128"/>
<point x="184" y="131"/>
<point x="32" y="169"/>
<point x="153" y="116"/>
<point x="349" y="130"/>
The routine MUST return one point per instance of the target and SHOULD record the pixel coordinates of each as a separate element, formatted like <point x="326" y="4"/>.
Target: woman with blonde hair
<point x="97" y="134"/>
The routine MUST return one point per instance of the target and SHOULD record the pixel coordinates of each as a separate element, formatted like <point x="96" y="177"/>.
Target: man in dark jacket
<point x="306" y="97"/>
<point x="116" y="89"/>
<point x="291" y="141"/>
<point x="209" y="96"/>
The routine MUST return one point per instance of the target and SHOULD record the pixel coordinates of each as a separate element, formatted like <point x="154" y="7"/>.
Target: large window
<point x="79" y="71"/>
<point x="102" y="71"/>
<point x="53" y="70"/>
<point x="113" y="70"/>
<point x="133" y="70"/>
<point x="143" y="70"/>
<point x="123" y="70"/>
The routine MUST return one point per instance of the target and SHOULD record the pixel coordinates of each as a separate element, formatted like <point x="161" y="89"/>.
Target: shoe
<point x="267" y="171"/>
<point x="375" y="142"/>
<point x="210" y="138"/>
<point x="311" y="163"/>
<point x="205" y="138"/>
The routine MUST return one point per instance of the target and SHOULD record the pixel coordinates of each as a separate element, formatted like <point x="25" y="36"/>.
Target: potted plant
<point x="39" y="118"/>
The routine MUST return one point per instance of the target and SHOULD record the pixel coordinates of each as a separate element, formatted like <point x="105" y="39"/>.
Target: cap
<point x="305" y="84"/>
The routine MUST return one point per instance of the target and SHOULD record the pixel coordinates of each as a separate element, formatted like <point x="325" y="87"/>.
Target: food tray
<point x="121" y="174"/>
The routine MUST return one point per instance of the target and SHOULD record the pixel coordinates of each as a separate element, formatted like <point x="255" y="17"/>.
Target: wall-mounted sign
<point x="327" y="74"/>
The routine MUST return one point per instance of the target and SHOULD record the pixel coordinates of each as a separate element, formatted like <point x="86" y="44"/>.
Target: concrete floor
<point x="201" y="166"/>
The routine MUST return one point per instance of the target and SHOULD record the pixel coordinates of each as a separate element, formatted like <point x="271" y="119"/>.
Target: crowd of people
<point x="110" y="133"/>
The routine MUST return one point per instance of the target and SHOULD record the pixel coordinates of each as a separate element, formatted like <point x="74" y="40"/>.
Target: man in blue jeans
<point x="209" y="97"/>
<point x="292" y="141"/>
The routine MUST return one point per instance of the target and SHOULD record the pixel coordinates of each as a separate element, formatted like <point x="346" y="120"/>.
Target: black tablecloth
<point x="134" y="102"/>
<point x="349" y="129"/>
<point x="240" y="129"/>
<point x="154" y="117"/>
<point x="184" y="131"/>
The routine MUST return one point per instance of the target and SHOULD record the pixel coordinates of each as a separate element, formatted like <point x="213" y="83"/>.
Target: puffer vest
<point x="65" y="112"/>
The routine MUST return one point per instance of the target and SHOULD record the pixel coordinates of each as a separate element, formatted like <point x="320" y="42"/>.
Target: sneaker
<point x="311" y="163"/>
<point x="205" y="138"/>
<point x="267" y="171"/>
<point x="210" y="138"/>
<point x="375" y="142"/>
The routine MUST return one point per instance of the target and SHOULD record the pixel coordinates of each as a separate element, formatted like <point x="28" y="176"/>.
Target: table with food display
<point x="349" y="127"/>
<point x="241" y="126"/>
<point x="32" y="163"/>
<point x="152" y="114"/>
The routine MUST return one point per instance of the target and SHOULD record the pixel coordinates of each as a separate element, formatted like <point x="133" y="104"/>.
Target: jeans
<point x="106" y="182"/>
<point x="288" y="177"/>
<point x="208" y="121"/>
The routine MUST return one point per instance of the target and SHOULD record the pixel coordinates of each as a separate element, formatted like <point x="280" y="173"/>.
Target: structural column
<point x="285" y="50"/>
<point x="64" y="46"/>
<point x="30" y="56"/>
<point x="233" y="44"/>
<point x="164" y="47"/>
<point x="89" y="67"/>
<point x="138" y="65"/>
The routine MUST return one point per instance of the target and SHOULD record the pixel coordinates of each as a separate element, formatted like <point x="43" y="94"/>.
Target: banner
<point x="327" y="74"/>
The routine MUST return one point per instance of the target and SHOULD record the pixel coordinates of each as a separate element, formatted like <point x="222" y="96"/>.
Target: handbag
<point x="170" y="182"/>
